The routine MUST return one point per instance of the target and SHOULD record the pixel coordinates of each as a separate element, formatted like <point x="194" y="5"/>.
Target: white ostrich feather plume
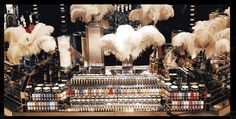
<point x="48" y="44"/>
<point x="182" y="39"/>
<point x="214" y="25"/>
<point x="88" y="12"/>
<point x="15" y="52"/>
<point x="203" y="38"/>
<point x="22" y="43"/>
<point x="227" y="11"/>
<point x="42" y="29"/>
<point x="152" y="13"/>
<point x="127" y="42"/>
<point x="222" y="34"/>
<point x="12" y="34"/>
<point x="218" y="47"/>
<point x="193" y="42"/>
<point x="192" y="50"/>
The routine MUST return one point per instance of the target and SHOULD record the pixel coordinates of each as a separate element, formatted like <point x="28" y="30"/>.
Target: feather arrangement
<point x="210" y="35"/>
<point x="182" y="39"/>
<point x="193" y="42"/>
<point x="214" y="25"/>
<point x="22" y="43"/>
<point x="128" y="42"/>
<point x="91" y="12"/>
<point x="152" y="13"/>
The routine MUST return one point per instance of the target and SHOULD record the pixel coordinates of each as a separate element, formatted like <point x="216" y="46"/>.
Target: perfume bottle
<point x="153" y="62"/>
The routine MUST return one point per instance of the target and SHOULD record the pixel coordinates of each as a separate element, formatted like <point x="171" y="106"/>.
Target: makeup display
<point x="116" y="60"/>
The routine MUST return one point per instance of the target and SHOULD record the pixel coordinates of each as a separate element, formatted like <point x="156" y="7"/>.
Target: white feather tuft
<point x="218" y="47"/>
<point x="182" y="39"/>
<point x="15" y="53"/>
<point x="214" y="25"/>
<point x="90" y="12"/>
<point x="151" y="13"/>
<point x="227" y="11"/>
<point x="202" y="38"/>
<point x="48" y="44"/>
<point x="22" y="43"/>
<point x="41" y="29"/>
<point x="126" y="41"/>
<point x="12" y="34"/>
<point x="222" y="34"/>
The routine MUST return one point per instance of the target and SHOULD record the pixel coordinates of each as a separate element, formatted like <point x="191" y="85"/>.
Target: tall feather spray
<point x="128" y="42"/>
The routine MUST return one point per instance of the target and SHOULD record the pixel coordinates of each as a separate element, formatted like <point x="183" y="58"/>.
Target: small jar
<point x="167" y="85"/>
<point x="38" y="94"/>
<point x="202" y="92"/>
<point x="48" y="85"/>
<point x="56" y="94"/>
<point x="185" y="90"/>
<point x="47" y="93"/>
<point x="63" y="91"/>
<point x="29" y="106"/>
<point x="40" y="85"/>
<point x="33" y="106"/>
<point x="174" y="91"/>
<point x="194" y="92"/>
<point x="51" y="106"/>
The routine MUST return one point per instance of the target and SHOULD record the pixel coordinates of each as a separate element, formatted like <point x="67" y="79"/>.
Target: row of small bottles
<point x="195" y="92"/>
<point x="137" y="91"/>
<point x="114" y="80"/>
<point x="42" y="106"/>
<point x="48" y="93"/>
<point x="187" y="105"/>
<point x="104" y="101"/>
<point x="116" y="108"/>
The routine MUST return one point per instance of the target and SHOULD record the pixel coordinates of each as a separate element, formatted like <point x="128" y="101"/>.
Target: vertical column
<point x="192" y="16"/>
<point x="63" y="18"/>
<point x="35" y="13"/>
